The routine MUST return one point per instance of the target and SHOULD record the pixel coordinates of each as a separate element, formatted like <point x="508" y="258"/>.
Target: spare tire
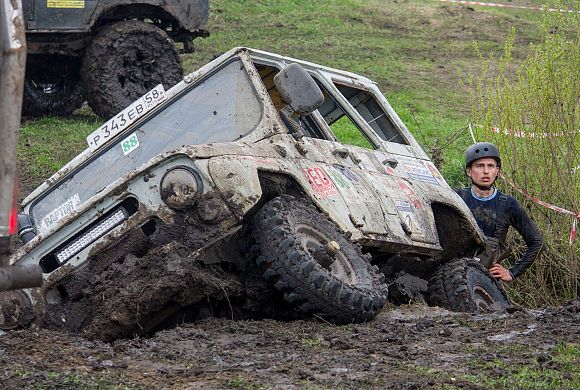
<point x="319" y="270"/>
<point x="465" y="285"/>
<point x="125" y="61"/>
<point x="52" y="85"/>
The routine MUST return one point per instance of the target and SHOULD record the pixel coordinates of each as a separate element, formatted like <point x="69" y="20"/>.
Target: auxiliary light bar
<point x="92" y="235"/>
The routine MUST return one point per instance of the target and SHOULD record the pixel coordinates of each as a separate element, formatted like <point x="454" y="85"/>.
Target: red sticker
<point x="323" y="187"/>
<point x="411" y="195"/>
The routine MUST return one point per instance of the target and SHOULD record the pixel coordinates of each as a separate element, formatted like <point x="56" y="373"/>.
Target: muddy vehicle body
<point x="238" y="169"/>
<point x="109" y="52"/>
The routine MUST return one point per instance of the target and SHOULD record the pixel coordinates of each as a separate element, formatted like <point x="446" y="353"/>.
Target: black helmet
<point x="481" y="150"/>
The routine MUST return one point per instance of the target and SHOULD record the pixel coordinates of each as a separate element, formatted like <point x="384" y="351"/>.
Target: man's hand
<point x="499" y="272"/>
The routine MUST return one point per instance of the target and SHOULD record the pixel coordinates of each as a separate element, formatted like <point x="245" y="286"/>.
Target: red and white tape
<point x="536" y="200"/>
<point x="523" y="134"/>
<point x="548" y="206"/>
<point x="507" y="6"/>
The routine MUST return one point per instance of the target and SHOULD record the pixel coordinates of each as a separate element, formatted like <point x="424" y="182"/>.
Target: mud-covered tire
<point x="52" y="86"/>
<point x="125" y="61"/>
<point x="464" y="285"/>
<point x="342" y="288"/>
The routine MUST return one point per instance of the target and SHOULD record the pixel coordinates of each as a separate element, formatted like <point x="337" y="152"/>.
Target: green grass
<point x="74" y="380"/>
<point x="310" y="342"/>
<point x="417" y="51"/>
<point x="558" y="368"/>
<point x="348" y="133"/>
<point x="46" y="144"/>
<point x="241" y="382"/>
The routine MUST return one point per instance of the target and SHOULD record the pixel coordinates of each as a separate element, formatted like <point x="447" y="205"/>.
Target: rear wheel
<point x="319" y="270"/>
<point x="465" y="285"/>
<point x="51" y="86"/>
<point x="125" y="61"/>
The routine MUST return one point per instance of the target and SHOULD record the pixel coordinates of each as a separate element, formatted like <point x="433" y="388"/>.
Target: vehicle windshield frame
<point x="176" y="100"/>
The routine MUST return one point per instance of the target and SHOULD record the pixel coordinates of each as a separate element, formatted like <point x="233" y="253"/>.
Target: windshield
<point x="215" y="110"/>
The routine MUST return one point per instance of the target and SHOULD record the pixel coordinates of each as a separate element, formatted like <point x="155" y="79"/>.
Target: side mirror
<point x="298" y="89"/>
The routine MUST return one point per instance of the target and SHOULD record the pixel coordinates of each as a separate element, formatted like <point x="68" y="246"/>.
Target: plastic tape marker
<point x="507" y="6"/>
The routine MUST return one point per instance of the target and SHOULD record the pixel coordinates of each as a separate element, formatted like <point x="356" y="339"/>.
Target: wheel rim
<point x="48" y="83"/>
<point x="483" y="300"/>
<point x="314" y="242"/>
<point x="51" y="77"/>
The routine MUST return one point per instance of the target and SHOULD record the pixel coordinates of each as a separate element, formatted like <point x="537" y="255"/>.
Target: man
<point x="495" y="212"/>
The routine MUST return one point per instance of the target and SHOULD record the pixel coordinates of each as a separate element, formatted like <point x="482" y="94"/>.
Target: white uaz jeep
<point x="255" y="158"/>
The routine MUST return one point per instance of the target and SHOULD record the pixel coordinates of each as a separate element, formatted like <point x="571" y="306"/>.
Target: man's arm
<point x="520" y="220"/>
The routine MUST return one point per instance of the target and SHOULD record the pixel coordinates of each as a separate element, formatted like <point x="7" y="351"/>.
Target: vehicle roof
<point x="265" y="55"/>
<point x="256" y="54"/>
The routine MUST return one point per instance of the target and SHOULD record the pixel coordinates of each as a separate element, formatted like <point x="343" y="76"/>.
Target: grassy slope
<point x="417" y="51"/>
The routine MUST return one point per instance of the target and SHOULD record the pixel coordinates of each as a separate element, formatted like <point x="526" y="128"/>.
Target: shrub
<point x="536" y="107"/>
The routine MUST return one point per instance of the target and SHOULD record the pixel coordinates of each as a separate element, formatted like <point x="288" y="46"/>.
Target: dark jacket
<point x="487" y="214"/>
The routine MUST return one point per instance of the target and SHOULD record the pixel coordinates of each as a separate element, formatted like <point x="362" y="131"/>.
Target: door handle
<point x="391" y="162"/>
<point x="341" y="152"/>
<point x="344" y="153"/>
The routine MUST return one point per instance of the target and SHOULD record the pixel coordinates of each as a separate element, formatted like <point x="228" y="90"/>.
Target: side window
<point x="308" y="125"/>
<point x="372" y="112"/>
<point x="343" y="128"/>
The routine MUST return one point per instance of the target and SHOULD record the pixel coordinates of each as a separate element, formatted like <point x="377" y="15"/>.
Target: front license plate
<point x="128" y="116"/>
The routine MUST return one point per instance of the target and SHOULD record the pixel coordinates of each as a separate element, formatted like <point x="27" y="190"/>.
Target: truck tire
<point x="339" y="285"/>
<point x="52" y="86"/>
<point x="124" y="61"/>
<point x="464" y="285"/>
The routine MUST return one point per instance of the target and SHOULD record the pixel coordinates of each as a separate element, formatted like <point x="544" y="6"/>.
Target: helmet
<point x="481" y="150"/>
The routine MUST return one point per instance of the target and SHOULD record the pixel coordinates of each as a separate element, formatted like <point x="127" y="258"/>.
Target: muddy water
<point x="410" y="347"/>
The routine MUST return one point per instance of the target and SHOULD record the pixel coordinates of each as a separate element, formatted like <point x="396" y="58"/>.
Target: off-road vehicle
<point x="109" y="52"/>
<point x="239" y="171"/>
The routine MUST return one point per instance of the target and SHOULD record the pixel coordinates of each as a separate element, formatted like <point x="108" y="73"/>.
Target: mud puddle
<point x="407" y="347"/>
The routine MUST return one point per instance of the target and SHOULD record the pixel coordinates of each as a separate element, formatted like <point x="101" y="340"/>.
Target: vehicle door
<point x="388" y="156"/>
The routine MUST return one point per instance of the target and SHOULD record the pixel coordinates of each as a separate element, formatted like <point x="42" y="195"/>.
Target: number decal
<point x="409" y="221"/>
<point x="129" y="144"/>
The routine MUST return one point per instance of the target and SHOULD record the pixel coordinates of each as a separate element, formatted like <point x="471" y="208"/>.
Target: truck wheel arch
<point x="457" y="236"/>
<point x="141" y="11"/>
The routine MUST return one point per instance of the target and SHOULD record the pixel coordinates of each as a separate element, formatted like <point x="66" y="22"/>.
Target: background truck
<point x="109" y="52"/>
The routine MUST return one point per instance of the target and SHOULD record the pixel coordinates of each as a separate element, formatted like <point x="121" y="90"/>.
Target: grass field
<point x="419" y="52"/>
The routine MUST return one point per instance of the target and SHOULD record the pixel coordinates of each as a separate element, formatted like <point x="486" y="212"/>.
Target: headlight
<point x="180" y="187"/>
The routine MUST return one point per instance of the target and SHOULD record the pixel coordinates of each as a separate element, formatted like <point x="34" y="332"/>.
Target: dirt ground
<point x="405" y="347"/>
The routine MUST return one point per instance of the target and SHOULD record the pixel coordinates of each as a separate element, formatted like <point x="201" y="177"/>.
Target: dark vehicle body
<point x="108" y="52"/>
<point x="66" y="26"/>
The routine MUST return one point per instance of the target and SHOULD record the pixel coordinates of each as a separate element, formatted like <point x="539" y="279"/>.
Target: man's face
<point x="483" y="172"/>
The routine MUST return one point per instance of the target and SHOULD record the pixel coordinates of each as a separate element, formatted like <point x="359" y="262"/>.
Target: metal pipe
<point x="20" y="276"/>
<point x="12" y="65"/>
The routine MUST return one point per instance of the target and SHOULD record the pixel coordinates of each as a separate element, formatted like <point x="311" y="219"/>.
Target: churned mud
<point x="157" y="279"/>
<point x="406" y="347"/>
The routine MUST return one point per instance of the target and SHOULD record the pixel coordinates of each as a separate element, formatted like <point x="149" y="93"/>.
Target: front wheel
<point x="465" y="285"/>
<point x="319" y="270"/>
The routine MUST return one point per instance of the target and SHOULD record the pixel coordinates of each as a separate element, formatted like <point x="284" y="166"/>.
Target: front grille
<point x="89" y="235"/>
